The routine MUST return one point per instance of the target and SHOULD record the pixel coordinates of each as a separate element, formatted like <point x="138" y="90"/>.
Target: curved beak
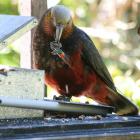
<point x="58" y="34"/>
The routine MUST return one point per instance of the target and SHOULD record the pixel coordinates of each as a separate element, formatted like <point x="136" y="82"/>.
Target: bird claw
<point x="62" y="98"/>
<point x="55" y="46"/>
<point x="57" y="51"/>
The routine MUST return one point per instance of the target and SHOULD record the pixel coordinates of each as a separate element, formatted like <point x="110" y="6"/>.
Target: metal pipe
<point x="54" y="106"/>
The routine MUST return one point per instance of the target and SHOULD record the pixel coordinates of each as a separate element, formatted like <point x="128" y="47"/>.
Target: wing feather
<point x="92" y="58"/>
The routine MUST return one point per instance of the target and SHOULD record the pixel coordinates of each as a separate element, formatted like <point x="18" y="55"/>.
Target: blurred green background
<point x="113" y="27"/>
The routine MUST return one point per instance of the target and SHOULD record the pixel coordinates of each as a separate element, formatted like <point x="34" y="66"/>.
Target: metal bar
<point x="55" y="106"/>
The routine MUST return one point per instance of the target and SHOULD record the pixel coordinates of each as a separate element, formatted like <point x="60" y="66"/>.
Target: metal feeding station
<point x="25" y="114"/>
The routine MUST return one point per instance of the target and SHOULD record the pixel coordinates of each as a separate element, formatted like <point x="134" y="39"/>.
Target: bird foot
<point x="55" y="46"/>
<point x="62" y="98"/>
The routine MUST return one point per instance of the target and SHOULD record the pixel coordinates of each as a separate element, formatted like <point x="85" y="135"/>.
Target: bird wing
<point x="39" y="49"/>
<point x="92" y="58"/>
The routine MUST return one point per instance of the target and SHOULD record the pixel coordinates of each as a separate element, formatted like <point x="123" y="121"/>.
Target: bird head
<point x="60" y="20"/>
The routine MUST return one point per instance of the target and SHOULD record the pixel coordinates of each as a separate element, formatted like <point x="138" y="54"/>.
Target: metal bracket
<point x="12" y="27"/>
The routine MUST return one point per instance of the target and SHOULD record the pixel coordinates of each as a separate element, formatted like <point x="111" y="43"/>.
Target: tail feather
<point x="122" y="104"/>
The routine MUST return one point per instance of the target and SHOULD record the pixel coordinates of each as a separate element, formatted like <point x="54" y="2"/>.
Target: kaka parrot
<point x="72" y="64"/>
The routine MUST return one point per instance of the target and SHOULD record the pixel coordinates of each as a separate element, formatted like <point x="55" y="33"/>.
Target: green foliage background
<point x="120" y="52"/>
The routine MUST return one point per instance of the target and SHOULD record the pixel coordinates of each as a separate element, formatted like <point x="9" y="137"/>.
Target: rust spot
<point x="3" y="72"/>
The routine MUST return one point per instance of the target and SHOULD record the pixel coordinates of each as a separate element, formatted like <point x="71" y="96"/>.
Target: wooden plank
<point x="17" y="27"/>
<point x="38" y="7"/>
<point x="23" y="84"/>
<point x="34" y="8"/>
